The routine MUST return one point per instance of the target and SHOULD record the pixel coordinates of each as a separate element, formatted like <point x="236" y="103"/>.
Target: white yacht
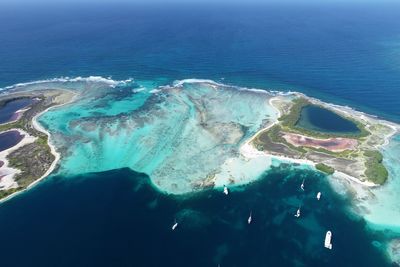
<point x="302" y="185"/>
<point x="175" y="225"/>
<point x="226" y="191"/>
<point x="297" y="215"/>
<point x="319" y="195"/>
<point x="328" y="238"/>
<point x="249" y="219"/>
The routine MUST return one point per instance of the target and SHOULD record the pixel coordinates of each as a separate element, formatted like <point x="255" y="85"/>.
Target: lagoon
<point x="8" y="111"/>
<point x="9" y="139"/>
<point x="319" y="119"/>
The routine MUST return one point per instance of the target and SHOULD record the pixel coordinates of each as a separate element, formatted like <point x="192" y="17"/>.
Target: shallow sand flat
<point x="381" y="204"/>
<point x="175" y="129"/>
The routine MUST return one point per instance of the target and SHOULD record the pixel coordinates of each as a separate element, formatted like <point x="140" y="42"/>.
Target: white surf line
<point x="53" y="150"/>
<point x="100" y="79"/>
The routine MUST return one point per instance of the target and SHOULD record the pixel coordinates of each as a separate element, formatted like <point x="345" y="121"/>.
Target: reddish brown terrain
<point x="331" y="144"/>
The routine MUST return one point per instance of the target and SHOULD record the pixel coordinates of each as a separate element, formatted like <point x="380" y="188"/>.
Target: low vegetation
<point x="5" y="193"/>
<point x="290" y="119"/>
<point x="366" y="164"/>
<point x="34" y="159"/>
<point x="324" y="168"/>
<point x="375" y="170"/>
<point x="289" y="122"/>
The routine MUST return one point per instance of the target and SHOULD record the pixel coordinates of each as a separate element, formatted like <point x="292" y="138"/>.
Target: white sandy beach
<point x="53" y="149"/>
<point x="7" y="181"/>
<point x="249" y="151"/>
<point x="10" y="172"/>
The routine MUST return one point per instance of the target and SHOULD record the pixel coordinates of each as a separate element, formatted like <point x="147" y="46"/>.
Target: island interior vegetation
<point x="32" y="160"/>
<point x="360" y="161"/>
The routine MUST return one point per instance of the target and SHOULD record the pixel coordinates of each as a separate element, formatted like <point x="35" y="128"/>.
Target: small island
<point x="26" y="155"/>
<point x="334" y="139"/>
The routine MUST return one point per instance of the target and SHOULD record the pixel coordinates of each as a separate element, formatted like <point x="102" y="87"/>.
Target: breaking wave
<point x="90" y="79"/>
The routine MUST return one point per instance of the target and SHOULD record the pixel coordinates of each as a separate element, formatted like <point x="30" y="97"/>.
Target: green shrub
<point x="375" y="171"/>
<point x="324" y="168"/>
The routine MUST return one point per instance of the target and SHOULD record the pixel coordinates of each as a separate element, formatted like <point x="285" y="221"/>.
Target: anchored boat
<point x="297" y="215"/>
<point x="249" y="219"/>
<point x="319" y="195"/>
<point x="175" y="225"/>
<point x="226" y="191"/>
<point x="328" y="238"/>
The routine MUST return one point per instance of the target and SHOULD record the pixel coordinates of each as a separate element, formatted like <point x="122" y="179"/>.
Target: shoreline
<point x="249" y="151"/>
<point x="351" y="112"/>
<point x="244" y="148"/>
<point x="9" y="171"/>
<point x="53" y="150"/>
<point x="16" y="116"/>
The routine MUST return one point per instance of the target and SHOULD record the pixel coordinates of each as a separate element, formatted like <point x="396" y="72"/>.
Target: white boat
<point x="302" y="185"/>
<point x="226" y="191"/>
<point x="297" y="215"/>
<point x="319" y="195"/>
<point x="175" y="225"/>
<point x="328" y="238"/>
<point x="249" y="219"/>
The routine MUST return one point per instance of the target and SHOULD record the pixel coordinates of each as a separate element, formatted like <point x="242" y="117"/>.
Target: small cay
<point x="333" y="139"/>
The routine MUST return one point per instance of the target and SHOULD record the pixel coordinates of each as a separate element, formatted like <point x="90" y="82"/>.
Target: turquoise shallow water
<point x="177" y="135"/>
<point x="340" y="53"/>
<point x="163" y="132"/>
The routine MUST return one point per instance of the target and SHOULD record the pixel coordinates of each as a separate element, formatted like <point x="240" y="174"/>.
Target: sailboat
<point x="302" y="185"/>
<point x="249" y="219"/>
<point x="175" y="225"/>
<point x="297" y="215"/>
<point x="226" y="191"/>
<point x="319" y="195"/>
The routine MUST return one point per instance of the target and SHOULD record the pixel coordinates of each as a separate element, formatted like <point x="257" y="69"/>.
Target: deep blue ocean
<point x="343" y="53"/>
<point x="346" y="54"/>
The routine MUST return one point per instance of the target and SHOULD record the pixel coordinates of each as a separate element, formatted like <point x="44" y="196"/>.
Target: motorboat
<point x="328" y="239"/>
<point x="226" y="190"/>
